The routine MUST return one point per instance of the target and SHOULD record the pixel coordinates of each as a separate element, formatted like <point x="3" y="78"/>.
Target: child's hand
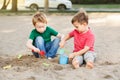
<point x="36" y="50"/>
<point x="76" y="54"/>
<point x="61" y="44"/>
<point x="72" y="55"/>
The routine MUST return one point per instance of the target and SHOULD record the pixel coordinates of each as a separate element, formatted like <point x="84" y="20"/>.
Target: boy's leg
<point x="77" y="61"/>
<point x="52" y="47"/>
<point x="89" y="58"/>
<point x="39" y="43"/>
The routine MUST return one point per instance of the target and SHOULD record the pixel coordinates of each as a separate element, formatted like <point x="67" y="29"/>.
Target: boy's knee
<point x="79" y="59"/>
<point x="89" y="57"/>
<point x="57" y="40"/>
<point x="39" y="38"/>
<point x="39" y="41"/>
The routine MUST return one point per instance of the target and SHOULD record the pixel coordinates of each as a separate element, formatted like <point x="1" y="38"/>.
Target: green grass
<point x="98" y="6"/>
<point x="24" y="12"/>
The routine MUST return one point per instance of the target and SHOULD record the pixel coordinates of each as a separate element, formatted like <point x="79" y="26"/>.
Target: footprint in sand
<point x="57" y="67"/>
<point x="107" y="76"/>
<point x="31" y="78"/>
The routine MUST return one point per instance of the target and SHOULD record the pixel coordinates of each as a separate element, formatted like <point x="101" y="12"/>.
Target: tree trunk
<point x="14" y="6"/>
<point x="46" y="5"/>
<point x="5" y="4"/>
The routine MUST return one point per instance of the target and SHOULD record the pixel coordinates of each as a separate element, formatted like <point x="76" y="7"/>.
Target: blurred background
<point x="89" y="5"/>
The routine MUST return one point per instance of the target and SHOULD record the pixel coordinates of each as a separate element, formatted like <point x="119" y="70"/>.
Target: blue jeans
<point x="50" y="48"/>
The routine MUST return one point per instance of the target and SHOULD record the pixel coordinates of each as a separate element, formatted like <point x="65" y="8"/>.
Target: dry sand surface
<point x="14" y="31"/>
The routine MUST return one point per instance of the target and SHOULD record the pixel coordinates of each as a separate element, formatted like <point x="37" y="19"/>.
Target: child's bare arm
<point x="86" y="48"/>
<point x="62" y="43"/>
<point x="61" y="36"/>
<point x="30" y="46"/>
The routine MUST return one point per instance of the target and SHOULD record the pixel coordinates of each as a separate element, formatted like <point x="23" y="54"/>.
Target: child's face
<point x="80" y="27"/>
<point x="40" y="27"/>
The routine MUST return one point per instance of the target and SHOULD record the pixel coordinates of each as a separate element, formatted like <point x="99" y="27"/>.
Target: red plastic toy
<point x="42" y="53"/>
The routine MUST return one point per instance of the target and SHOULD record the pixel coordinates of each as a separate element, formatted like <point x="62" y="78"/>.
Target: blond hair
<point x="80" y="17"/>
<point x="39" y="17"/>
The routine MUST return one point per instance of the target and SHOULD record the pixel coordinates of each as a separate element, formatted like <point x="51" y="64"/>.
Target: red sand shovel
<point x="41" y="53"/>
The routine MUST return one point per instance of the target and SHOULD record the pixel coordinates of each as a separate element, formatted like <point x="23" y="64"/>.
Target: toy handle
<point x="61" y="51"/>
<point x="41" y="53"/>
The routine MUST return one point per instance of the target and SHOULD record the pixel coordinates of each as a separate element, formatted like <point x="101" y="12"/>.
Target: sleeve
<point x="32" y="36"/>
<point x="71" y="34"/>
<point x="90" y="41"/>
<point x="52" y="31"/>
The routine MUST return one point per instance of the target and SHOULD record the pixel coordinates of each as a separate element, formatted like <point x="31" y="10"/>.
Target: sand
<point x="14" y="31"/>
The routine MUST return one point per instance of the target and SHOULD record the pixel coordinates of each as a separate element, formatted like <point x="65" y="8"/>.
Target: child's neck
<point x="86" y="29"/>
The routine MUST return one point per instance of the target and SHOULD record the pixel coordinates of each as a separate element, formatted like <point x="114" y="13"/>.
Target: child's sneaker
<point x="49" y="58"/>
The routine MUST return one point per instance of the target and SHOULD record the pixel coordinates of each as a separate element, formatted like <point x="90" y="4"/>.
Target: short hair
<point x="39" y="17"/>
<point x="80" y="17"/>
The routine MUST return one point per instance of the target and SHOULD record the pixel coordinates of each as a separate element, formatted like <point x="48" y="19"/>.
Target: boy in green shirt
<point x="40" y="37"/>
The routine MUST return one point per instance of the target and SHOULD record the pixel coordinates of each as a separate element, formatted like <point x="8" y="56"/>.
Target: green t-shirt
<point x="46" y="35"/>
